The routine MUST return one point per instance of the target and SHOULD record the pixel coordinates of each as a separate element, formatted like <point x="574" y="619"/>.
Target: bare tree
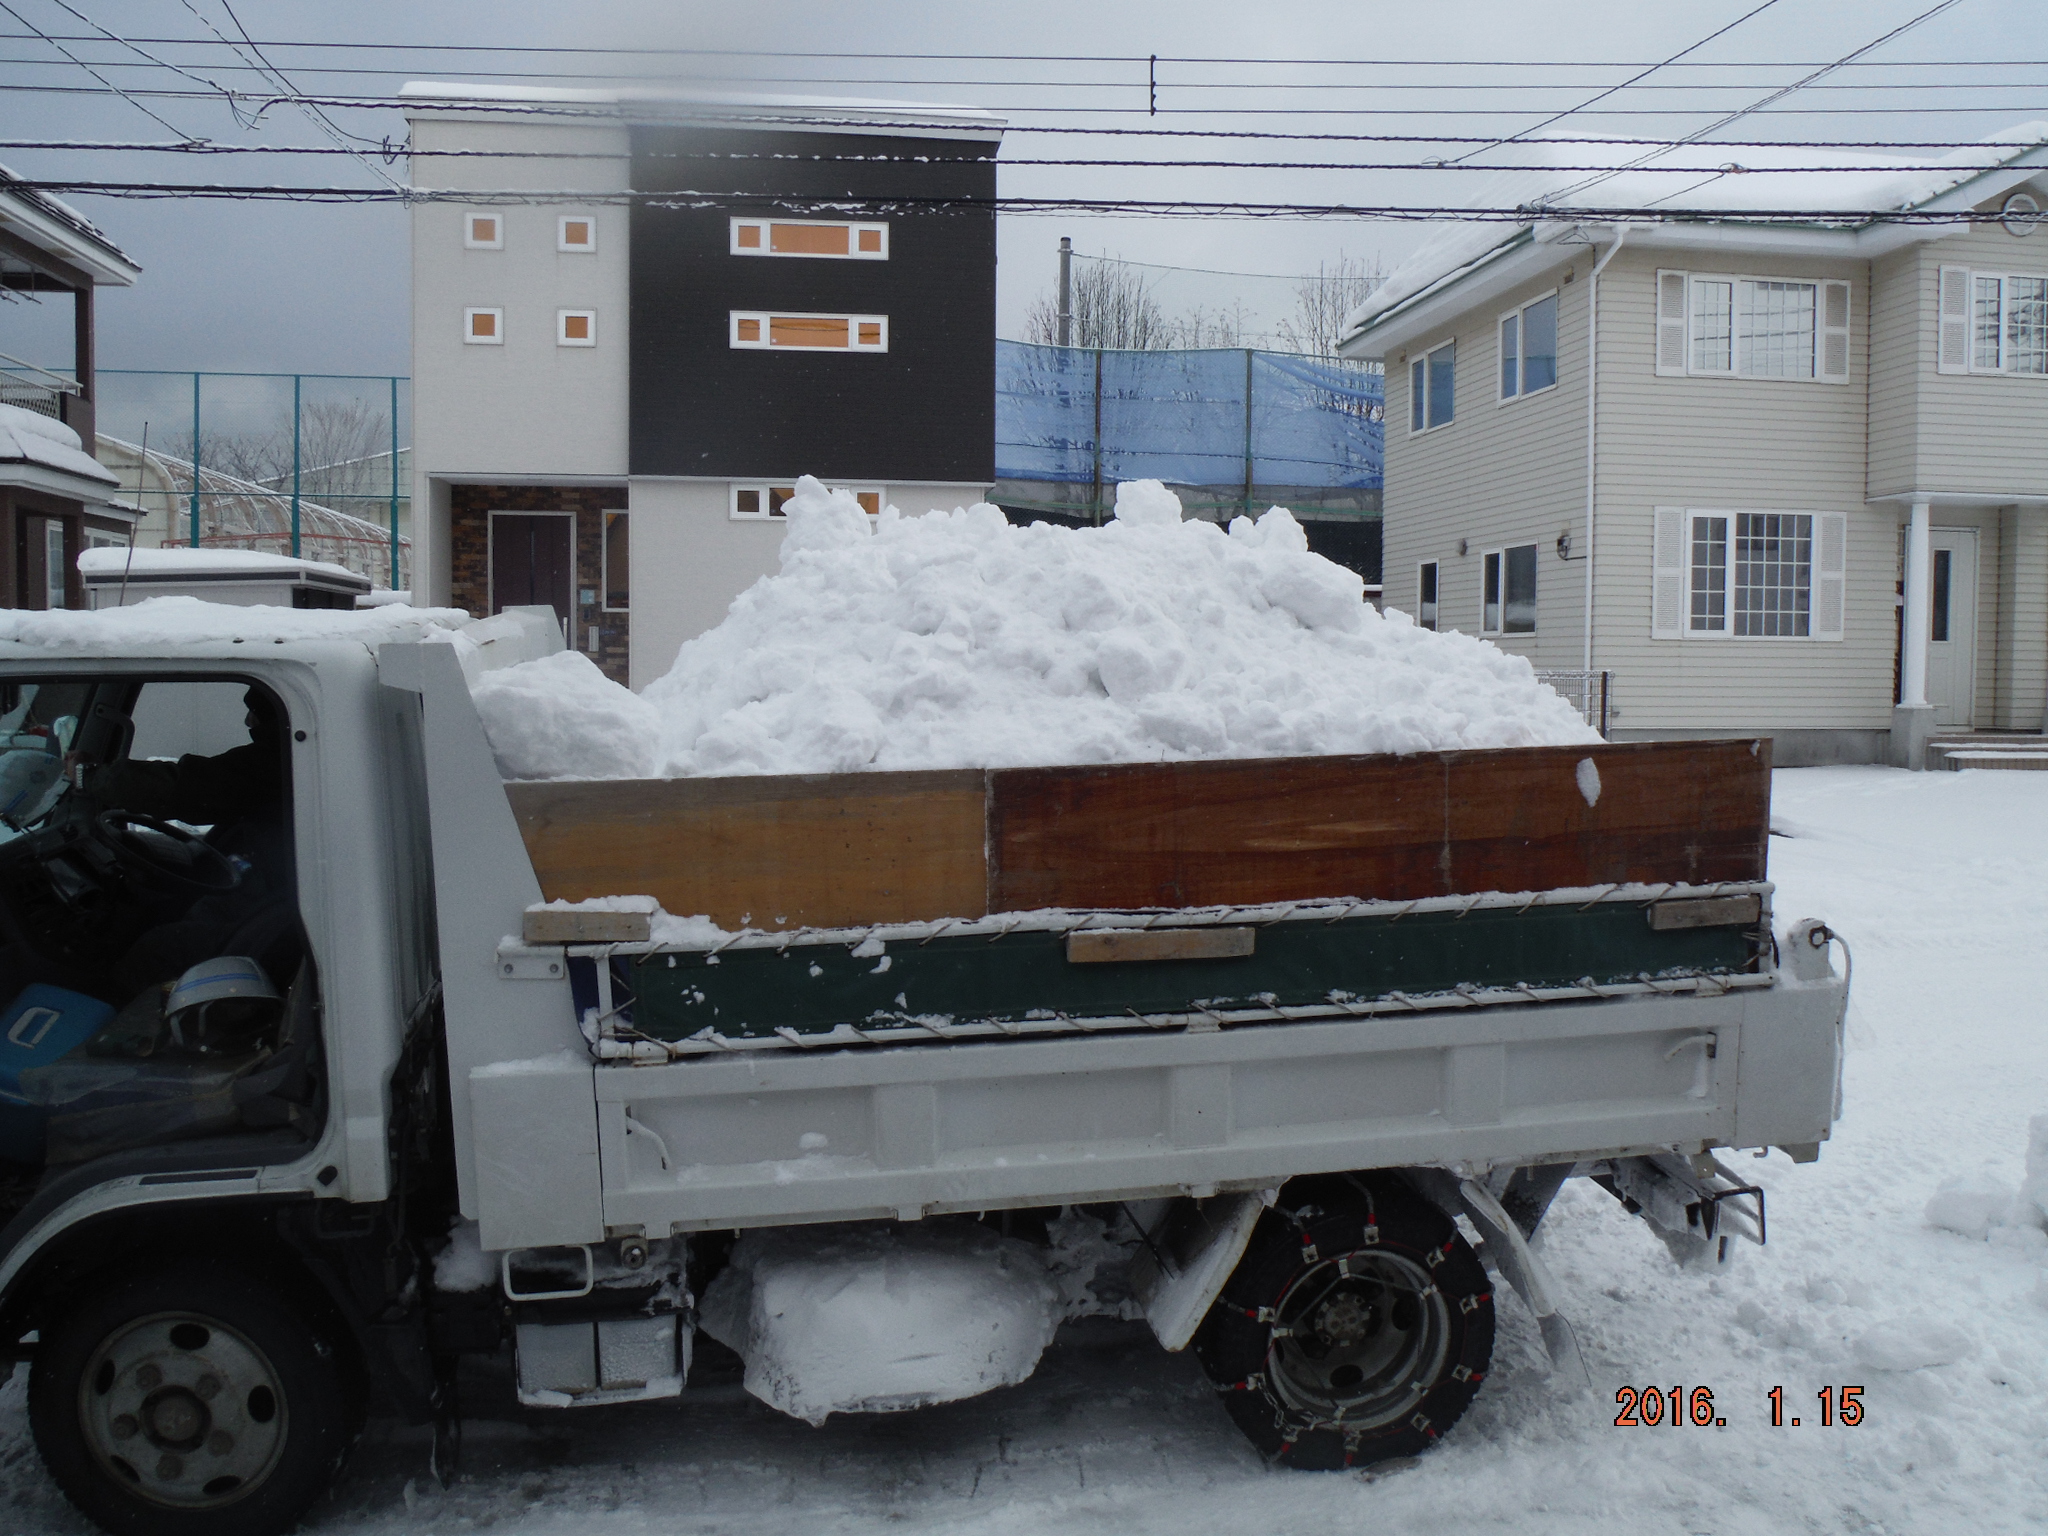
<point x="1201" y="327"/>
<point x="247" y="456"/>
<point x="344" y="448"/>
<point x="1323" y="302"/>
<point x="1113" y="307"/>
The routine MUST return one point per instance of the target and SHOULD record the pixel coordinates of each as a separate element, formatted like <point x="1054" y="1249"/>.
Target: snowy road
<point x="1940" y="881"/>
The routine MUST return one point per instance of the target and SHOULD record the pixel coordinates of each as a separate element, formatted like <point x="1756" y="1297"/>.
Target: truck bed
<point x="1450" y="959"/>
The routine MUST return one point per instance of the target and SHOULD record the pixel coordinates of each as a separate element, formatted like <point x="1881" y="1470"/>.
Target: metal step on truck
<point x="330" y="1058"/>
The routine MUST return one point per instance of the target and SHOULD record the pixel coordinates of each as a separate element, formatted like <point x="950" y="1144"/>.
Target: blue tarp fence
<point x="1243" y="426"/>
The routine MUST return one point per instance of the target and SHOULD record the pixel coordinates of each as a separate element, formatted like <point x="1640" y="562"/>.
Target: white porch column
<point x="1919" y="603"/>
<point x="1913" y="716"/>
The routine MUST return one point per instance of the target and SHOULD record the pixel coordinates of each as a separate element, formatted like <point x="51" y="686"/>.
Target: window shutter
<point x="1667" y="575"/>
<point x="1671" y="322"/>
<point x="1952" y="347"/>
<point x="1834" y="333"/>
<point x="1830" y="572"/>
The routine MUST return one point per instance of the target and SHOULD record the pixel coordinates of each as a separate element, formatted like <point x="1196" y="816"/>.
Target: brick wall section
<point x="469" y="571"/>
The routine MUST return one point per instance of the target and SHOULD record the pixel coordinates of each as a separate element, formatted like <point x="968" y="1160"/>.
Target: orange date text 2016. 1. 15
<point x="1646" y="1407"/>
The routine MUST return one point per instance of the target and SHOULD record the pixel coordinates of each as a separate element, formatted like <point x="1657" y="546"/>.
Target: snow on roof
<point x="158" y="564"/>
<point x="171" y="622"/>
<point x="35" y="438"/>
<point x="1836" y="187"/>
<point x="768" y="108"/>
<point x="62" y="212"/>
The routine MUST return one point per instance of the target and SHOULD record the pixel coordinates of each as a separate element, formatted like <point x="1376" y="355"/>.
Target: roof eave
<point x="107" y="264"/>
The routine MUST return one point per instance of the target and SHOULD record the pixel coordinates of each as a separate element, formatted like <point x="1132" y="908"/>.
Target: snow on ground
<point x="1939" y="883"/>
<point x="955" y="640"/>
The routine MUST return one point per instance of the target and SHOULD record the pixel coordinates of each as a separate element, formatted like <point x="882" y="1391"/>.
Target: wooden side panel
<point x="1217" y="833"/>
<point x="1696" y="811"/>
<point x="819" y="850"/>
<point x="1250" y="831"/>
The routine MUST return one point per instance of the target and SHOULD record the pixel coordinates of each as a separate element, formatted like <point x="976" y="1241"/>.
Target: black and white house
<point x="617" y="385"/>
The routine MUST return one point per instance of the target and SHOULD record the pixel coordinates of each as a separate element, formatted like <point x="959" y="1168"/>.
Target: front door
<point x="533" y="562"/>
<point x="1952" y="627"/>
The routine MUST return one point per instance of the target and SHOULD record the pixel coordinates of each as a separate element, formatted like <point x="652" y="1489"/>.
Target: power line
<point x="1635" y="79"/>
<point x="208" y="148"/>
<point x="556" y="50"/>
<point x="215" y="147"/>
<point x="1012" y="83"/>
<point x="1777" y="96"/>
<point x="813" y="123"/>
<point x="132" y="47"/>
<point x="124" y="95"/>
<point x="684" y="198"/>
<point x="312" y="113"/>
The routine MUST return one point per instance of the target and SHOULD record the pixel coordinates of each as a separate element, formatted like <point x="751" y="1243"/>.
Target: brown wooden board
<point x="818" y="850"/>
<point x="1245" y="832"/>
<point x="1695" y="811"/>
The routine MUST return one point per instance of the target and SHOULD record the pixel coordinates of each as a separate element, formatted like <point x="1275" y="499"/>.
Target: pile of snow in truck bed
<point x="956" y="640"/>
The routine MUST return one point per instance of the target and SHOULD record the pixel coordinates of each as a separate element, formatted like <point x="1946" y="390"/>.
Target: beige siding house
<point x="1777" y="475"/>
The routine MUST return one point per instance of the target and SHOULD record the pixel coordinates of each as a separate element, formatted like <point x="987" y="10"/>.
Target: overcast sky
<point x="264" y="286"/>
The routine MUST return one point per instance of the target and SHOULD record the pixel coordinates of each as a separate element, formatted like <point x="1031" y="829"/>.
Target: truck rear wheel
<point x="187" y="1402"/>
<point x="1356" y="1328"/>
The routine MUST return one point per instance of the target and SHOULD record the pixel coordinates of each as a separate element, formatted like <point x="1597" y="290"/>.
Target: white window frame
<point x="853" y="227"/>
<point x="1674" y="332"/>
<point x="762" y="487"/>
<point x="497" y="336"/>
<point x="1500" y="553"/>
<point x="562" y="241"/>
<point x="1671" y="580"/>
<point x="562" y="336"/>
<point x="469" y="239"/>
<point x="766" y="317"/>
<point x="1418" y="405"/>
<point x="1435" y="620"/>
<point x="1956" y="332"/>
<point x="604" y="561"/>
<point x="56" y="575"/>
<point x="1519" y="314"/>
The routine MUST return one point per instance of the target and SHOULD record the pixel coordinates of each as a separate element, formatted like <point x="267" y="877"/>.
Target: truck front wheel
<point x="190" y="1401"/>
<point x="1355" y="1329"/>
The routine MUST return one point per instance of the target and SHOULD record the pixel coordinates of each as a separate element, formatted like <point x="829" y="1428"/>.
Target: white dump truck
<point x="330" y="1057"/>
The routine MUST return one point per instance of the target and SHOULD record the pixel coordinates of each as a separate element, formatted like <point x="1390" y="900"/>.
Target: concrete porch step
<point x="1987" y="751"/>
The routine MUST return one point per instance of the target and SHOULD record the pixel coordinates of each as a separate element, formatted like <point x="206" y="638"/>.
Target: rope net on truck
<point x="615" y="1041"/>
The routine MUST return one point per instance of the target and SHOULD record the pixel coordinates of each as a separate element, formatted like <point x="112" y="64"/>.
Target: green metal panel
<point x="812" y="988"/>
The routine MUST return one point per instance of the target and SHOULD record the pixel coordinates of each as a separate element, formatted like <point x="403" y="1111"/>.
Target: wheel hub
<point x="184" y="1410"/>
<point x="1358" y="1338"/>
<point x="176" y="1419"/>
<point x="1345" y="1318"/>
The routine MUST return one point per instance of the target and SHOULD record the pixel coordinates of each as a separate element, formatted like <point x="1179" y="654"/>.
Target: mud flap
<point x="1186" y="1258"/>
<point x="1503" y="1249"/>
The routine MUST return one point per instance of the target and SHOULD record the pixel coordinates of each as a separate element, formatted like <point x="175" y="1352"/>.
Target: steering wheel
<point x="157" y="850"/>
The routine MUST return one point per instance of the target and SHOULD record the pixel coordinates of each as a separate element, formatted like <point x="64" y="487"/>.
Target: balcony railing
<point x="35" y="388"/>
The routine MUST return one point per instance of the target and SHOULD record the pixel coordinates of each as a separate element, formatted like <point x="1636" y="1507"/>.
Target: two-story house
<point x="655" y="312"/>
<point x="1780" y="465"/>
<point x="56" y="499"/>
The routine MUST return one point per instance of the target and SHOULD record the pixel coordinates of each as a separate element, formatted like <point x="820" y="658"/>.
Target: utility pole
<point x="1066" y="291"/>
